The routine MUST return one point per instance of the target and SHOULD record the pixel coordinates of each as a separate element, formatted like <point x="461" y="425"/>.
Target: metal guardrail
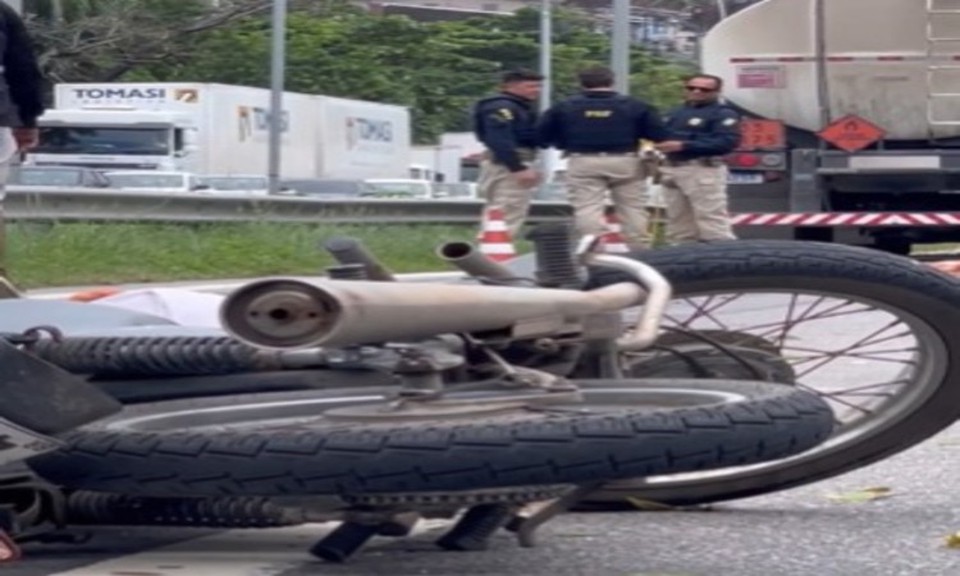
<point x="113" y="205"/>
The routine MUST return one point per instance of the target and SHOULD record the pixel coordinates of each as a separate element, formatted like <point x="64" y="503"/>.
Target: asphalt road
<point x="799" y="532"/>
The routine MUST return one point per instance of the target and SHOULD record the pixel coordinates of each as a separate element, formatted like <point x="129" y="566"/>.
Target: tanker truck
<point x="851" y="129"/>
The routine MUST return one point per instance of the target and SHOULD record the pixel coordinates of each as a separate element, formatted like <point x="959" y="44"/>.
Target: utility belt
<point x="590" y="154"/>
<point x="525" y="155"/>
<point x="706" y="162"/>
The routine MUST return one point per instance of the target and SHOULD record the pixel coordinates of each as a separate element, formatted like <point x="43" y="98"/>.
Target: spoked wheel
<point x="347" y="441"/>
<point x="876" y="336"/>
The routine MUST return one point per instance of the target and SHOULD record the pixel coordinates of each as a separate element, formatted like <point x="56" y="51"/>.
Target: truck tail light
<point x="743" y="160"/>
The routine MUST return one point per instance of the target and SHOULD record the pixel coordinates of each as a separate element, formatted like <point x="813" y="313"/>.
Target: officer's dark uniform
<point x="21" y="96"/>
<point x="695" y="179"/>
<point x="21" y="83"/>
<point x="708" y="131"/>
<point x="506" y="125"/>
<point x="600" y="132"/>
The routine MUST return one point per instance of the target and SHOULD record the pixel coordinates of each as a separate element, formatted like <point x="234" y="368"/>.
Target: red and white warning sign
<point x="847" y="219"/>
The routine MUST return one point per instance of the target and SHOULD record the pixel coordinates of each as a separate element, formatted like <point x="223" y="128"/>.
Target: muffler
<point x="287" y="313"/>
<point x="468" y="258"/>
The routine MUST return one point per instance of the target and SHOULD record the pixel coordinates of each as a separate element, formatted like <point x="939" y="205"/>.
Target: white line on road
<point x="253" y="552"/>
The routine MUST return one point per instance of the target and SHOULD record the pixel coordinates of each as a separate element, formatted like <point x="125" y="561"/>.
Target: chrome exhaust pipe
<point x="287" y="313"/>
<point x="466" y="257"/>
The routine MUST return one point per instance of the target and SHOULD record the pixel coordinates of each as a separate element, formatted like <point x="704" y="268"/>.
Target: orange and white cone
<point x="613" y="241"/>
<point x="495" y="240"/>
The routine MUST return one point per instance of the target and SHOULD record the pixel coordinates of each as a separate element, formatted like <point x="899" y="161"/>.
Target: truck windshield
<point x="108" y="141"/>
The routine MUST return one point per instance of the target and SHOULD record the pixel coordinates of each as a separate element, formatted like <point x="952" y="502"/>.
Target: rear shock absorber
<point x="150" y="356"/>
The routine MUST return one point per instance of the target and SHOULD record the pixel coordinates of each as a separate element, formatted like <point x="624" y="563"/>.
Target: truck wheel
<point x="289" y="444"/>
<point x="810" y="300"/>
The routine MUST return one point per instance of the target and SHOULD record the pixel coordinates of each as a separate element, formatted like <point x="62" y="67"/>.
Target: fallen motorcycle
<point x="739" y="311"/>
<point x="500" y="394"/>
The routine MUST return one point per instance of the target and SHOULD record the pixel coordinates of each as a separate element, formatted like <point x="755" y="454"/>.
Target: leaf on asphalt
<point x="865" y="495"/>
<point x="952" y="540"/>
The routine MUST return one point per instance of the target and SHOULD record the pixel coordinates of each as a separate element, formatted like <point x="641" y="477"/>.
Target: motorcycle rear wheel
<point x="275" y="444"/>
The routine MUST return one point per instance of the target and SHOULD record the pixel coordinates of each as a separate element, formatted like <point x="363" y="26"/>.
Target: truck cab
<point x="116" y="139"/>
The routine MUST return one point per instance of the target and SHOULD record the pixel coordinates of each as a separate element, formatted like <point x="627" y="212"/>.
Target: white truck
<point x="853" y="119"/>
<point x="220" y="129"/>
<point x="454" y="159"/>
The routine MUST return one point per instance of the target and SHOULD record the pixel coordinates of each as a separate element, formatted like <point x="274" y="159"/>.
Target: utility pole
<point x="278" y="61"/>
<point x="546" y="70"/>
<point x="620" y="45"/>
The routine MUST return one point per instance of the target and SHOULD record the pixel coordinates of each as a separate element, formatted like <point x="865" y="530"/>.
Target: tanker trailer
<point x="851" y="129"/>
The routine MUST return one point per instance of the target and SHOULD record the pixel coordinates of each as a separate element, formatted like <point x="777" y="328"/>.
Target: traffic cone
<point x="613" y="241"/>
<point x="94" y="294"/>
<point x="495" y="241"/>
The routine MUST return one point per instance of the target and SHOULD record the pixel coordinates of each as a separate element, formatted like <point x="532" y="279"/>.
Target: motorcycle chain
<point x="518" y="495"/>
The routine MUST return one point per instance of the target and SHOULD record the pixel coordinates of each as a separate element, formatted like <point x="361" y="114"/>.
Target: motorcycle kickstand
<point x="474" y="529"/>
<point x="524" y="526"/>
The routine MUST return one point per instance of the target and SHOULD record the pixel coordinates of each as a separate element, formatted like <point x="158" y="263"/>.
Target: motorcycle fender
<point x="18" y="443"/>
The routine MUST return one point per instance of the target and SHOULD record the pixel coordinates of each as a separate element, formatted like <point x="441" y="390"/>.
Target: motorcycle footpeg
<point x="399" y="526"/>
<point x="473" y="531"/>
<point x="43" y="399"/>
<point x="344" y="541"/>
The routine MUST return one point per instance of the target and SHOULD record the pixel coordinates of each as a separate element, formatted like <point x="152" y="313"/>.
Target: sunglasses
<point x="700" y="89"/>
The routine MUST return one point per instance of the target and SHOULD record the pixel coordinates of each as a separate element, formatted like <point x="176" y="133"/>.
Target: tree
<point x="101" y="40"/>
<point x="334" y="48"/>
<point x="437" y="69"/>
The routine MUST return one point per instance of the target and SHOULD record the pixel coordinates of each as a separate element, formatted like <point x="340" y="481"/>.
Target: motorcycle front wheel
<point x="877" y="336"/>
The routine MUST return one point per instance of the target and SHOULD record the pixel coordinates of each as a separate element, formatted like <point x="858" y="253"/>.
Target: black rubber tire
<point x="898" y="282"/>
<point x="530" y="448"/>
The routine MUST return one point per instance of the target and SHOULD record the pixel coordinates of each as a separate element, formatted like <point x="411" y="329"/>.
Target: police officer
<point x="21" y="103"/>
<point x="693" y="175"/>
<point x="599" y="132"/>
<point x="506" y="125"/>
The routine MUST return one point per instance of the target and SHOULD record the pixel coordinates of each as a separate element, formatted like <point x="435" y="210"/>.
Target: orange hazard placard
<point x="852" y="133"/>
<point x="756" y="134"/>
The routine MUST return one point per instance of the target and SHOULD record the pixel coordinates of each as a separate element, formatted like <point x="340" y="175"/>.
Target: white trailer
<point x="194" y="127"/>
<point x="221" y="129"/>
<point x="359" y="139"/>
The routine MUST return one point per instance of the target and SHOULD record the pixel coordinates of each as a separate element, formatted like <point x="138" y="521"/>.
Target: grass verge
<point x="67" y="254"/>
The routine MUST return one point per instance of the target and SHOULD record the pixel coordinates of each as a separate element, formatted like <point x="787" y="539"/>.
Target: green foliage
<point x="437" y="69"/>
<point x="73" y="254"/>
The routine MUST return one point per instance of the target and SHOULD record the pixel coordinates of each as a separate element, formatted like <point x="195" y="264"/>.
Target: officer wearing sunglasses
<point x="693" y="175"/>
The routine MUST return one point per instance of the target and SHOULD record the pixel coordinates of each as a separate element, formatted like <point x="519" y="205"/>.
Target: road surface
<point x="818" y="529"/>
